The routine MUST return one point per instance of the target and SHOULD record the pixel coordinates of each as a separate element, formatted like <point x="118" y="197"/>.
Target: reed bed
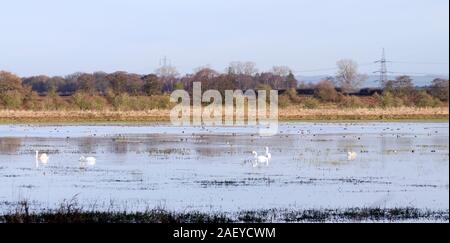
<point x="71" y="212"/>
<point x="288" y="113"/>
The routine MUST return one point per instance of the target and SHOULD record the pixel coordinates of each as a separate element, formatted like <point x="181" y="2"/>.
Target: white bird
<point x="351" y="156"/>
<point x="262" y="159"/>
<point x="89" y="161"/>
<point x="43" y="158"/>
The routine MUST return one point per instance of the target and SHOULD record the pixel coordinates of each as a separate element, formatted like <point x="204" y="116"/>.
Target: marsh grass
<point x="287" y="113"/>
<point x="71" y="212"/>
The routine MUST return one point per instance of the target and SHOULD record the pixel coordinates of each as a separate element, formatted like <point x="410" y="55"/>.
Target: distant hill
<point x="372" y="81"/>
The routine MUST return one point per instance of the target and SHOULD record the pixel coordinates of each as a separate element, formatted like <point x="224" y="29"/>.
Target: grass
<point x="367" y="114"/>
<point x="70" y="212"/>
<point x="289" y="113"/>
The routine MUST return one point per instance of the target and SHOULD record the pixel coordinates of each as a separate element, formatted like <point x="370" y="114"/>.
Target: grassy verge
<point x="285" y="114"/>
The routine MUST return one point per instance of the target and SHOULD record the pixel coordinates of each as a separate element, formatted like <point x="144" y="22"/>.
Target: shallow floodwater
<point x="210" y="169"/>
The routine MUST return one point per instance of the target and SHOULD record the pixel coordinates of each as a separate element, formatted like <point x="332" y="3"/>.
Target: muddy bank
<point x="285" y="114"/>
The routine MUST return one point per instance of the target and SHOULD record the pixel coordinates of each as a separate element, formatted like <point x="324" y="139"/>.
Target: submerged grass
<point x="70" y="212"/>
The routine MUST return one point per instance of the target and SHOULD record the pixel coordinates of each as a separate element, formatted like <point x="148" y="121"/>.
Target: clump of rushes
<point x="71" y="212"/>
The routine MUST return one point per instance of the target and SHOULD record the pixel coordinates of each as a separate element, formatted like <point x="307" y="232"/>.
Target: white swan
<point x="262" y="159"/>
<point x="43" y="158"/>
<point x="351" y="156"/>
<point x="89" y="161"/>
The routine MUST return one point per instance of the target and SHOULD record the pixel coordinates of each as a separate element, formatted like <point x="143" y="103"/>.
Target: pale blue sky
<point x="60" y="37"/>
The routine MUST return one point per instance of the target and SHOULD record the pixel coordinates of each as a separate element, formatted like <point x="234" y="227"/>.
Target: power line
<point x="420" y="63"/>
<point x="329" y="69"/>
<point x="315" y="70"/>
<point x="412" y="73"/>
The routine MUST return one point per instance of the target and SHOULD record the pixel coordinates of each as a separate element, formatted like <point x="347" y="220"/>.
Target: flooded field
<point x="211" y="169"/>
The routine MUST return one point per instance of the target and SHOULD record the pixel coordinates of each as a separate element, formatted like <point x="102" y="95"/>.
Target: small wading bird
<point x="262" y="159"/>
<point x="42" y="158"/>
<point x="87" y="161"/>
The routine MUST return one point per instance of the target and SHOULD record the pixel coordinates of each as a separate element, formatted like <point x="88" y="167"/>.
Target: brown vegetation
<point x="287" y="113"/>
<point x="70" y="212"/>
<point x="122" y="96"/>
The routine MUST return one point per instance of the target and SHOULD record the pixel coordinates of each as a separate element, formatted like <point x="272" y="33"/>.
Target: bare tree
<point x="38" y="83"/>
<point x="282" y="71"/>
<point x="167" y="71"/>
<point x="152" y="84"/>
<point x="348" y="77"/>
<point x="291" y="81"/>
<point x="134" y="84"/>
<point x="439" y="89"/>
<point x="207" y="77"/>
<point x="242" y="68"/>
<point x="118" y="81"/>
<point x="243" y="74"/>
<point x="402" y="85"/>
<point x="86" y="83"/>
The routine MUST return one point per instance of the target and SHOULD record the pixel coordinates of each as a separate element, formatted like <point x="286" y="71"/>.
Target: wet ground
<point x="210" y="169"/>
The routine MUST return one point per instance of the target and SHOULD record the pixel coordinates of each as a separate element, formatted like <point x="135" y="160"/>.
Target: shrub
<point x="79" y="99"/>
<point x="85" y="101"/>
<point x="178" y="86"/>
<point x="326" y="91"/>
<point x="374" y="101"/>
<point x="439" y="89"/>
<point x="98" y="103"/>
<point x="55" y="102"/>
<point x="311" y="103"/>
<point x="283" y="101"/>
<point x="10" y="82"/>
<point x="351" y="102"/>
<point x="423" y="99"/>
<point x="11" y="99"/>
<point x="31" y="101"/>
<point x="389" y="100"/>
<point x="292" y="94"/>
<point x="265" y="87"/>
<point x="163" y="102"/>
<point x="122" y="102"/>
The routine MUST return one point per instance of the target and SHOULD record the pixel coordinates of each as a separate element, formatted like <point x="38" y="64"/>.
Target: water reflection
<point x="10" y="145"/>
<point x="213" y="170"/>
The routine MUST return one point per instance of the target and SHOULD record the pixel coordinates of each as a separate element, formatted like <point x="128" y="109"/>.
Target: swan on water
<point x="351" y="155"/>
<point x="262" y="159"/>
<point x="43" y="158"/>
<point x="89" y="161"/>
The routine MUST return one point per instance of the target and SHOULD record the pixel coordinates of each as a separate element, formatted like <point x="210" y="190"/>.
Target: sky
<point x="56" y="37"/>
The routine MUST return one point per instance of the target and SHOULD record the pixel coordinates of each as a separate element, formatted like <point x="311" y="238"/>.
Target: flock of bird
<point x="265" y="159"/>
<point x="43" y="158"/>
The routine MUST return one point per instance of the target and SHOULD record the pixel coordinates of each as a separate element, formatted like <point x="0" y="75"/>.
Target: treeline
<point x="128" y="91"/>
<point x="394" y="93"/>
<point x="134" y="84"/>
